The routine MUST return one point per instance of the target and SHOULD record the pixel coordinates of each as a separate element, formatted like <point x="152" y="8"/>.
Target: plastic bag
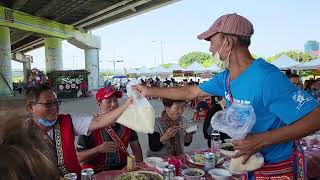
<point x="236" y="121"/>
<point x="140" y="115"/>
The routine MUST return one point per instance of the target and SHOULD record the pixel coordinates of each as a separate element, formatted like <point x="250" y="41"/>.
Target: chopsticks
<point x="182" y="126"/>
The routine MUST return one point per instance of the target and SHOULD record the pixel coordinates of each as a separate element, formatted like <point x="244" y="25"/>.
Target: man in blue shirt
<point x="283" y="112"/>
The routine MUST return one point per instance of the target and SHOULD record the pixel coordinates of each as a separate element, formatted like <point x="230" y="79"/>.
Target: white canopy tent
<point x="285" y="62"/>
<point x="144" y="71"/>
<point x="196" y="67"/>
<point x="315" y="64"/>
<point x="175" y="67"/>
<point x="161" y="70"/>
<point x="132" y="71"/>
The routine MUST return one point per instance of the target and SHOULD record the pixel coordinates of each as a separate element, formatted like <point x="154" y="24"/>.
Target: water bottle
<point x="169" y="172"/>
<point x="215" y="143"/>
<point x="209" y="162"/>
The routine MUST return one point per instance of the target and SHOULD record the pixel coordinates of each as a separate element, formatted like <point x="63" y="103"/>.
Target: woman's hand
<point x="107" y="147"/>
<point x="170" y="133"/>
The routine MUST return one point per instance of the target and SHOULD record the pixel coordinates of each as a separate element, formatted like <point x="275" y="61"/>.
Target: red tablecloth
<point x="312" y="155"/>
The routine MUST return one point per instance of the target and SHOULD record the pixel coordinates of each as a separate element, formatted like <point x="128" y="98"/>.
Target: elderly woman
<point x="169" y="137"/>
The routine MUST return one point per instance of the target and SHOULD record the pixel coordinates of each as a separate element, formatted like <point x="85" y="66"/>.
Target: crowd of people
<point x="41" y="144"/>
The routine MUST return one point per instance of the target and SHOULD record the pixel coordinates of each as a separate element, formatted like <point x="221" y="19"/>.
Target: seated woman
<point x="169" y="137"/>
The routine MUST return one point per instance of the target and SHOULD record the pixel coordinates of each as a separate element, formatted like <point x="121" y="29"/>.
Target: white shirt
<point x="80" y="124"/>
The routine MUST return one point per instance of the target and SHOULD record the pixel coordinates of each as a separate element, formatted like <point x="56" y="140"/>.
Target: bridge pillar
<point x="26" y="68"/>
<point x="92" y="65"/>
<point x="5" y="62"/>
<point x="53" y="53"/>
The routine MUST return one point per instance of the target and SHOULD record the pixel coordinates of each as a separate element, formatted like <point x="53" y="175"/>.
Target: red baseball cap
<point x="229" y="24"/>
<point x="106" y="92"/>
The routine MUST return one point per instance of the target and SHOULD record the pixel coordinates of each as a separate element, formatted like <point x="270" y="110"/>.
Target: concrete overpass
<point x="29" y="24"/>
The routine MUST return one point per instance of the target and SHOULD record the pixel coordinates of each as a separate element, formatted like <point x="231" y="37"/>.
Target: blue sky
<point x="279" y="26"/>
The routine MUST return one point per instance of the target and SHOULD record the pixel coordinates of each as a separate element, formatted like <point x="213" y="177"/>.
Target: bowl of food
<point x="227" y="149"/>
<point x="140" y="175"/>
<point x="153" y="161"/>
<point x="219" y="174"/>
<point x="192" y="173"/>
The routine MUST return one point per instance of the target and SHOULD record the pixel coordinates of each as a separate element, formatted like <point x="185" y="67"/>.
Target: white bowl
<point x="219" y="174"/>
<point x="153" y="161"/>
<point x="228" y="140"/>
<point x="185" y="173"/>
<point x="225" y="152"/>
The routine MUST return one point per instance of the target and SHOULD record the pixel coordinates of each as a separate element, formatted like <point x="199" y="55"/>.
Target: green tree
<point x="168" y="65"/>
<point x="202" y="58"/>
<point x="296" y="55"/>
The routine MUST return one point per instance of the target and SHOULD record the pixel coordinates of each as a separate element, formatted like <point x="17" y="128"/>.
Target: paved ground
<point x="88" y="106"/>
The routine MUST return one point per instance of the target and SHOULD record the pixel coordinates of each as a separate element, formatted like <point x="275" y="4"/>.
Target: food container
<point x="192" y="173"/>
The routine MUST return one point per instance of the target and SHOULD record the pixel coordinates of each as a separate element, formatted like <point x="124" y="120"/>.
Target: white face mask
<point x="222" y="64"/>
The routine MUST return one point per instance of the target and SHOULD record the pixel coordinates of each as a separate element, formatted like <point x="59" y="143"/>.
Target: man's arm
<point x="136" y="150"/>
<point x="176" y="93"/>
<point x="87" y="154"/>
<point x="105" y="119"/>
<point x="301" y="128"/>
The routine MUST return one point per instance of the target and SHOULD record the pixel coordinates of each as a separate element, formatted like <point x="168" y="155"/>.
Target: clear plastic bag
<point x="140" y="115"/>
<point x="236" y="121"/>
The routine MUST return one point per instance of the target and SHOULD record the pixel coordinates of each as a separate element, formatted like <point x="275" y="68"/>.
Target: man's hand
<point x="128" y="102"/>
<point x="249" y="146"/>
<point x="142" y="90"/>
<point x="170" y="133"/>
<point x="106" y="147"/>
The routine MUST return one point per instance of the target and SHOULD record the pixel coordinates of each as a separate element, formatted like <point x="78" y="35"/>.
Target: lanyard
<point x="116" y="139"/>
<point x="229" y="90"/>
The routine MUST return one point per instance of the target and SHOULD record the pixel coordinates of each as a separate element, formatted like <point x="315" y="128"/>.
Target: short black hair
<point x="169" y="102"/>
<point x="241" y="40"/>
<point x="33" y="93"/>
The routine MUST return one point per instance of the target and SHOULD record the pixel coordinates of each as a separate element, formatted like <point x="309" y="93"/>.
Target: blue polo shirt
<point x="275" y="100"/>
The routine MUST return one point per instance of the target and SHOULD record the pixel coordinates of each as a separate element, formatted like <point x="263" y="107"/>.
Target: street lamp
<point x="161" y="46"/>
<point x="114" y="64"/>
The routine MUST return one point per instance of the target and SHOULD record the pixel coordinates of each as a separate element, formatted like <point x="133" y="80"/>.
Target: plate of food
<point x="140" y="175"/>
<point x="227" y="149"/>
<point x="196" y="158"/>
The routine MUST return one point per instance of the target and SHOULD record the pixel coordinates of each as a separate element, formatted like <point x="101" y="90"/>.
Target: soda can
<point x="87" y="174"/>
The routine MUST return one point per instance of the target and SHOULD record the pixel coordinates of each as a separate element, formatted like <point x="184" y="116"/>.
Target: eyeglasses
<point x="50" y="104"/>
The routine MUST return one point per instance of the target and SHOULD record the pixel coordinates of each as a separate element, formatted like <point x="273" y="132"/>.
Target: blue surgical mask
<point x="46" y="123"/>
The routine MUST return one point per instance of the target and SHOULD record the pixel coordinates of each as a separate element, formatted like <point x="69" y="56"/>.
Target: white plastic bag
<point x="140" y="115"/>
<point x="236" y="120"/>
